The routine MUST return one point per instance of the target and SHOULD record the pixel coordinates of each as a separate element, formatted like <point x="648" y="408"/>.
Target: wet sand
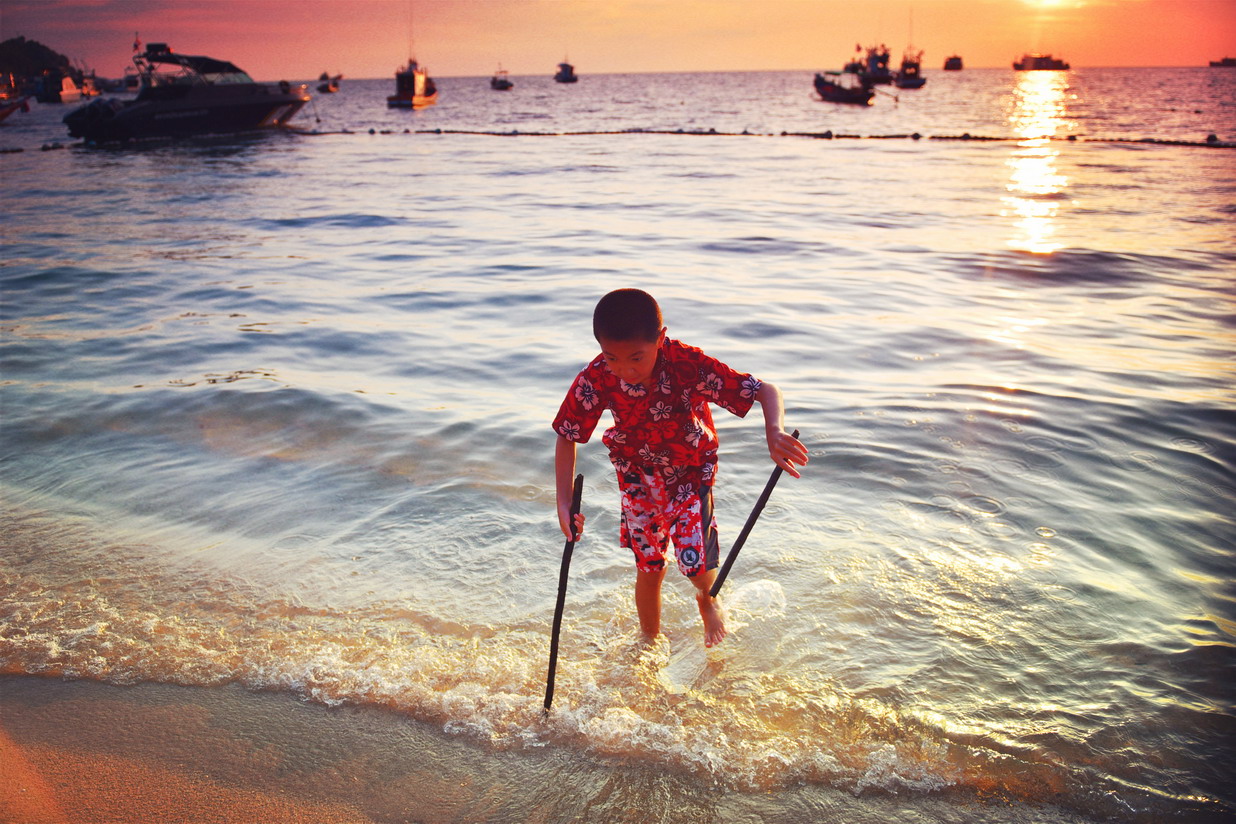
<point x="91" y="753"/>
<point x="86" y="752"/>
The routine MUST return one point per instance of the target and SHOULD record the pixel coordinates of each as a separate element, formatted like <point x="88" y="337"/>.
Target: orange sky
<point x="298" y="39"/>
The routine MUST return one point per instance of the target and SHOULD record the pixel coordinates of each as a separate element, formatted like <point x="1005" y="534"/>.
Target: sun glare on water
<point x="1036" y="188"/>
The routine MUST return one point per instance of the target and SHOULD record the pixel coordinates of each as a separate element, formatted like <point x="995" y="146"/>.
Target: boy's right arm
<point x="564" y="474"/>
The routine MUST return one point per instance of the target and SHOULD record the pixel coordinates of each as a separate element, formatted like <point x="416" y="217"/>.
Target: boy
<point x="663" y="445"/>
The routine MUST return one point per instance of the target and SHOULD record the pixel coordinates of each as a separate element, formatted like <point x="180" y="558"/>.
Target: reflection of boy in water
<point x="663" y="445"/>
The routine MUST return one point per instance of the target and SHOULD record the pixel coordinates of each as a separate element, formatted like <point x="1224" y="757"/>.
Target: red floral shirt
<point x="667" y="427"/>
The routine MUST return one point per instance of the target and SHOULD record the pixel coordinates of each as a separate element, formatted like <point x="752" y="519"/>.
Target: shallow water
<point x="276" y="412"/>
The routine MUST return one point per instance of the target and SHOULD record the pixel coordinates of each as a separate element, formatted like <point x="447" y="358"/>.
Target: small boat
<point x="953" y="64"/>
<point x="500" y="82"/>
<point x="414" y="88"/>
<point x="843" y="87"/>
<point x="910" y="76"/>
<point x="199" y="96"/>
<point x="328" y="84"/>
<point x="1225" y="63"/>
<point x="873" y="67"/>
<point x="20" y="104"/>
<point x="54" y="87"/>
<point x="1039" y="62"/>
<point x="566" y="73"/>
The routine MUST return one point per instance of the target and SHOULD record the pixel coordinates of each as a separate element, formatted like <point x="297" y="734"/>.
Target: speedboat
<point x="566" y="73"/>
<point x="184" y="95"/>
<point x="414" y="88"/>
<point x="843" y="87"/>
<point x="1039" y="62"/>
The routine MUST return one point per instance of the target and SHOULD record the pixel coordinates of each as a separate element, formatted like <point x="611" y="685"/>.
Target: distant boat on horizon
<point x="873" y="66"/>
<point x="566" y="73"/>
<point x="501" y="81"/>
<point x="414" y="88"/>
<point x="1225" y="63"/>
<point x="953" y="64"/>
<point x="1039" y="62"/>
<point x="910" y="75"/>
<point x="843" y="87"/>
<point x="328" y="84"/>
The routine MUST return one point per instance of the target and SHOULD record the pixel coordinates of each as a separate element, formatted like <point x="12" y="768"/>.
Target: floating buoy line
<point x="1212" y="141"/>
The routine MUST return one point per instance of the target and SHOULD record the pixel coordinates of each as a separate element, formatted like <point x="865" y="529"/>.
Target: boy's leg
<point x="641" y="531"/>
<point x="648" y="600"/>
<point x="695" y="541"/>
<point x="710" y="608"/>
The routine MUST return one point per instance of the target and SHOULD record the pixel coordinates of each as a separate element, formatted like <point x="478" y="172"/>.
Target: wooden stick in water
<point x="746" y="529"/>
<point x="562" y="588"/>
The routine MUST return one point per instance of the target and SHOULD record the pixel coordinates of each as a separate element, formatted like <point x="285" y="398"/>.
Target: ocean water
<point x="275" y="413"/>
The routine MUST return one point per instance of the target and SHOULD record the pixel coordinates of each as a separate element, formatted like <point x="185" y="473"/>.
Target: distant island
<point x="22" y="58"/>
<point x="25" y="63"/>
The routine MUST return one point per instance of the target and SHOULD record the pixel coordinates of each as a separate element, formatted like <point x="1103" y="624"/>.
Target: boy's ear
<point x="661" y="336"/>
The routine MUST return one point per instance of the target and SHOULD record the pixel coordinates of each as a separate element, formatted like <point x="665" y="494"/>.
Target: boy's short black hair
<point x="627" y="315"/>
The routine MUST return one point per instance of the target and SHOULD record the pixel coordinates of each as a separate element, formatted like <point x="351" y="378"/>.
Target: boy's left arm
<point x="785" y="449"/>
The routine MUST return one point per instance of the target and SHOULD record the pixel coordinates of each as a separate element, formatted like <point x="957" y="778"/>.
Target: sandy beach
<point x="87" y="752"/>
<point x="91" y="753"/>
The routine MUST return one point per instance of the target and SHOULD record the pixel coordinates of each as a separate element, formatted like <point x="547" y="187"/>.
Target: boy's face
<point x="632" y="360"/>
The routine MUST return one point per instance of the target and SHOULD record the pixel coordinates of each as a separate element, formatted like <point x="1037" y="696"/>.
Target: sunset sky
<point x="298" y="39"/>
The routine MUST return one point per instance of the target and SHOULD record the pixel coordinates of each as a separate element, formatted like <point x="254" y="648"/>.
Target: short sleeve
<point x="724" y="386"/>
<point x="581" y="408"/>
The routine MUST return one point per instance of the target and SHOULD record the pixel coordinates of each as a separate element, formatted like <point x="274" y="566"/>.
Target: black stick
<point x="562" y="588"/>
<point x="746" y="529"/>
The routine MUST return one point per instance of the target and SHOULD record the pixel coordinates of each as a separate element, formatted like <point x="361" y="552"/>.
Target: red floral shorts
<point x="653" y="515"/>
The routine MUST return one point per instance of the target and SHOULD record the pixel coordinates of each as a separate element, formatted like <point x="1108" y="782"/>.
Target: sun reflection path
<point x="1036" y="188"/>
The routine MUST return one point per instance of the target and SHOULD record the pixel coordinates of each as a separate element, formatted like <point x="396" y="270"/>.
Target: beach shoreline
<point x="92" y="753"/>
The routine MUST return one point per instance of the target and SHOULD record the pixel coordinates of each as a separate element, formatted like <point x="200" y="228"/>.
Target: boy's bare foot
<point x="714" y="619"/>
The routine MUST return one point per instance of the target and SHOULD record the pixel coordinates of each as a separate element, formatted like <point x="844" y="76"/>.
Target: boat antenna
<point x="411" y="40"/>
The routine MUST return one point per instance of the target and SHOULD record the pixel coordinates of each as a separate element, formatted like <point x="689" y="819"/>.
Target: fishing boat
<point x="414" y="88"/>
<point x="872" y="66"/>
<point x="20" y="104"/>
<point x="843" y="87"/>
<point x="184" y="95"/>
<point x="953" y="63"/>
<point x="501" y="82"/>
<point x="1039" y="62"/>
<point x="566" y="73"/>
<point x="910" y="75"/>
<point x="328" y="84"/>
<point x="1225" y="63"/>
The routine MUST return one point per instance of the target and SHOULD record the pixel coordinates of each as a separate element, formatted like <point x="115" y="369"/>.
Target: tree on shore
<point x="24" y="58"/>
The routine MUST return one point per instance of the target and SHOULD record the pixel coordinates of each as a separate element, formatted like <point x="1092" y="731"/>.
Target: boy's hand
<point x="786" y="451"/>
<point x="564" y="518"/>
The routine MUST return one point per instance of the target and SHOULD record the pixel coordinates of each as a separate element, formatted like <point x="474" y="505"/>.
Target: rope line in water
<point x="1211" y="141"/>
